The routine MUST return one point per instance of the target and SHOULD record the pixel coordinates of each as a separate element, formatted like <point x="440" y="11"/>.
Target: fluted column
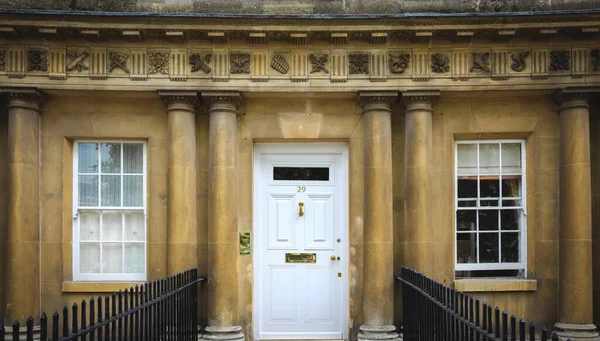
<point x="22" y="277"/>
<point x="378" y="287"/>
<point x="575" y="311"/>
<point x="181" y="202"/>
<point x="418" y="147"/>
<point x="223" y="315"/>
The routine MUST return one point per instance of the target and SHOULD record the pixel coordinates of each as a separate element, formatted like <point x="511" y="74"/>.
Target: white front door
<point x="300" y="241"/>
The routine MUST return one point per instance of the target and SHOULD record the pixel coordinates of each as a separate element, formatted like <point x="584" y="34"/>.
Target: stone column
<point x="182" y="253"/>
<point x="378" y="287"/>
<point x="575" y="211"/>
<point x="22" y="272"/>
<point x="223" y="310"/>
<point x="418" y="152"/>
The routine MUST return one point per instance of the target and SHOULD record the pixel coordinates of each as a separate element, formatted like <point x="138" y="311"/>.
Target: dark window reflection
<point x="510" y="219"/>
<point x="301" y="173"/>
<point x="467" y="188"/>
<point x="466" y="248"/>
<point x="510" y="247"/>
<point x="488" y="220"/>
<point x="490" y="188"/>
<point x="488" y="248"/>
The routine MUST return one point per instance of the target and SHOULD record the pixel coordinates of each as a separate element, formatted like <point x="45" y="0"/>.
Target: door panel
<point x="302" y="214"/>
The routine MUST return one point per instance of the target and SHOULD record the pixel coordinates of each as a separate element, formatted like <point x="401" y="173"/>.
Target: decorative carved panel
<point x="221" y="66"/>
<point x="500" y="65"/>
<point x="358" y="63"/>
<point x="57" y="62"/>
<point x="15" y="62"/>
<point x="539" y="63"/>
<point x="78" y="60"/>
<point x="378" y="66"/>
<point x="98" y="63"/>
<point x="179" y="65"/>
<point x="260" y="66"/>
<point x="339" y="66"/>
<point x="420" y="62"/>
<point x="139" y="65"/>
<point x="579" y="62"/>
<point x="299" y="66"/>
<point x="460" y="65"/>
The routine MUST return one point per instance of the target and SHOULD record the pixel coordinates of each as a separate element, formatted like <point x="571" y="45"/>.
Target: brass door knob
<point x="332" y="257"/>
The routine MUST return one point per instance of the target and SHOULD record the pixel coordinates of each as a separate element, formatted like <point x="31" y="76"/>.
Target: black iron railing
<point x="435" y="312"/>
<point x="165" y="309"/>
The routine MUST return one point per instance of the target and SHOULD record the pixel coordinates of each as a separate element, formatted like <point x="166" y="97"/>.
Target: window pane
<point x="488" y="203"/>
<point x="111" y="190"/>
<point x="465" y="220"/>
<point x="466" y="247"/>
<point x="110" y="154"/>
<point x="89" y="257"/>
<point x="488" y="248"/>
<point x="489" y="158"/>
<point x="301" y="173"/>
<point x="134" y="226"/>
<point x="511" y="188"/>
<point x="134" y="258"/>
<point x="510" y="247"/>
<point x="488" y="220"/>
<point x="88" y="158"/>
<point x="89" y="225"/>
<point x="133" y="190"/>
<point x="467" y="159"/>
<point x="112" y="226"/>
<point x="467" y="188"/>
<point x="88" y="190"/>
<point x="489" y="188"/>
<point x="509" y="219"/>
<point x="133" y="154"/>
<point x="509" y="203"/>
<point x="511" y="158"/>
<point x="112" y="257"/>
<point x="467" y="203"/>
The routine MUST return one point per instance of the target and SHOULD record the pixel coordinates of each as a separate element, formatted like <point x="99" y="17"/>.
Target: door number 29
<point x="300" y="189"/>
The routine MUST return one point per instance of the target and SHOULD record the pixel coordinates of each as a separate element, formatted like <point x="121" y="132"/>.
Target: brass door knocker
<point x="300" y="209"/>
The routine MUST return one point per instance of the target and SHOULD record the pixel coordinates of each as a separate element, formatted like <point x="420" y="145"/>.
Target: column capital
<point x="29" y="98"/>
<point x="419" y="100"/>
<point x="179" y="100"/>
<point x="377" y="100"/>
<point x="571" y="98"/>
<point x="222" y="97"/>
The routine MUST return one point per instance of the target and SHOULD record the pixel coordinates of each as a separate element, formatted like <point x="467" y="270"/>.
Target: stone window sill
<point x="495" y="284"/>
<point x="97" y="287"/>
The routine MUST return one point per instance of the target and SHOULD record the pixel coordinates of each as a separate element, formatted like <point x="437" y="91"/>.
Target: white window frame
<point x="523" y="238"/>
<point x="83" y="277"/>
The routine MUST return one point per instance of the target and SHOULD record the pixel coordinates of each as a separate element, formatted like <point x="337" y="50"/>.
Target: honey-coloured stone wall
<point x="494" y="115"/>
<point x="103" y="116"/>
<point x="3" y="196"/>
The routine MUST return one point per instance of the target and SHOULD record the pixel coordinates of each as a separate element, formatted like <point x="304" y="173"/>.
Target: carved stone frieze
<point x="259" y="66"/>
<point x="199" y="62"/>
<point x="77" y="61"/>
<point x="57" y="60"/>
<point x="359" y="63"/>
<point x="338" y="66"/>
<point x="279" y="64"/>
<point x="540" y="63"/>
<point x="2" y="60"/>
<point x="398" y="63"/>
<point x="595" y="54"/>
<point x="518" y="60"/>
<point x="178" y="66"/>
<point x="158" y="62"/>
<point x="239" y="63"/>
<point x="37" y="60"/>
<point x="481" y="62"/>
<point x="318" y="63"/>
<point x="560" y="60"/>
<point x="440" y="63"/>
<point x="118" y="60"/>
<point x="378" y="66"/>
